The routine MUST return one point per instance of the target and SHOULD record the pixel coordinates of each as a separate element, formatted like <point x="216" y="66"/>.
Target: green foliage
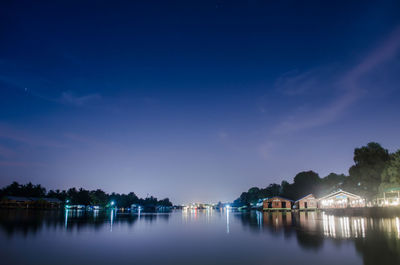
<point x="254" y="194"/>
<point x="365" y="175"/>
<point x="28" y="190"/>
<point x="306" y="182"/>
<point x="391" y="173"/>
<point x="331" y="183"/>
<point x="99" y="197"/>
<point x="81" y="196"/>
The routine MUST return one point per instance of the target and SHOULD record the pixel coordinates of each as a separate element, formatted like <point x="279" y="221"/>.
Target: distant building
<point x="277" y="203"/>
<point x="340" y="199"/>
<point x="29" y="202"/>
<point x="391" y="197"/>
<point x="53" y="202"/>
<point x="308" y="202"/>
<point x="15" y="202"/>
<point x="136" y="208"/>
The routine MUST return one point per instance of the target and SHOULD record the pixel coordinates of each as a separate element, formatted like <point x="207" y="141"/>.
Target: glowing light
<point x="66" y="219"/>
<point x="227" y="220"/>
<point x="398" y="227"/>
<point x="111" y="220"/>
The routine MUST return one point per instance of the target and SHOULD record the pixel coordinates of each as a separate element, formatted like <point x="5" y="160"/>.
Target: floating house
<point x="136" y="208"/>
<point x="29" y="202"/>
<point x="277" y="203"/>
<point x="15" y="202"/>
<point x="52" y="202"/>
<point x="391" y="197"/>
<point x="340" y="199"/>
<point x="308" y="202"/>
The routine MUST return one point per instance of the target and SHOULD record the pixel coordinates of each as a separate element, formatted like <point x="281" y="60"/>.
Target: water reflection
<point x="375" y="240"/>
<point x="29" y="222"/>
<point x="227" y="220"/>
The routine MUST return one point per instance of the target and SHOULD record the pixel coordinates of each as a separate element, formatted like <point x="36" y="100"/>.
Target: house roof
<point x="338" y="192"/>
<point x="283" y="198"/>
<point x="305" y="197"/>
<point x="392" y="189"/>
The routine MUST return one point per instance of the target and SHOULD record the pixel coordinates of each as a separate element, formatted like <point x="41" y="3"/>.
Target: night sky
<point x="193" y="100"/>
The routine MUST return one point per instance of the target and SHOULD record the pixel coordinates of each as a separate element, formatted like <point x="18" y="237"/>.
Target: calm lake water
<point x="195" y="237"/>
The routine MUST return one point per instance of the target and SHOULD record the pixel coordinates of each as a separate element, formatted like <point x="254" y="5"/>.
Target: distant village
<point x="29" y="196"/>
<point x="373" y="181"/>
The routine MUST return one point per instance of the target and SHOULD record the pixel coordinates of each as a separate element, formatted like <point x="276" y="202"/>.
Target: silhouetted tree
<point x="305" y="182"/>
<point x="391" y="174"/>
<point x="365" y="175"/>
<point x="331" y="183"/>
<point x="81" y="196"/>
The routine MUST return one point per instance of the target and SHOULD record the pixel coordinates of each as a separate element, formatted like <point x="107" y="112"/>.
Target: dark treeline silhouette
<point x="81" y="196"/>
<point x="374" y="170"/>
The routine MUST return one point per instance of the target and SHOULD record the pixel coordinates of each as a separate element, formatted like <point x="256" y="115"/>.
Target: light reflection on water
<point x="228" y="237"/>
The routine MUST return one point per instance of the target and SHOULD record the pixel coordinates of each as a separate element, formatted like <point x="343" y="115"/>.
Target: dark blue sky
<point x="194" y="100"/>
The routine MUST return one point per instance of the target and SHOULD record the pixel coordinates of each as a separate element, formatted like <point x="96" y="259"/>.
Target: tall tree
<point x="365" y="175"/>
<point x="306" y="182"/>
<point x="331" y="182"/>
<point x="391" y="173"/>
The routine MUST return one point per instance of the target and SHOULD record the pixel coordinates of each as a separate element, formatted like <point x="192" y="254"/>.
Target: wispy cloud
<point x="347" y="87"/>
<point x="348" y="84"/>
<point x="69" y="97"/>
<point x="295" y="83"/>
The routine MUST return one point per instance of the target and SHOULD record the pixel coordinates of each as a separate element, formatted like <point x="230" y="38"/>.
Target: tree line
<point x="373" y="171"/>
<point x="81" y="196"/>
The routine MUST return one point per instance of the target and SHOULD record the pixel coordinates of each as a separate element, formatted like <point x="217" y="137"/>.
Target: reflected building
<point x="32" y="221"/>
<point x="308" y="202"/>
<point x="277" y="220"/>
<point x="343" y="226"/>
<point x="340" y="199"/>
